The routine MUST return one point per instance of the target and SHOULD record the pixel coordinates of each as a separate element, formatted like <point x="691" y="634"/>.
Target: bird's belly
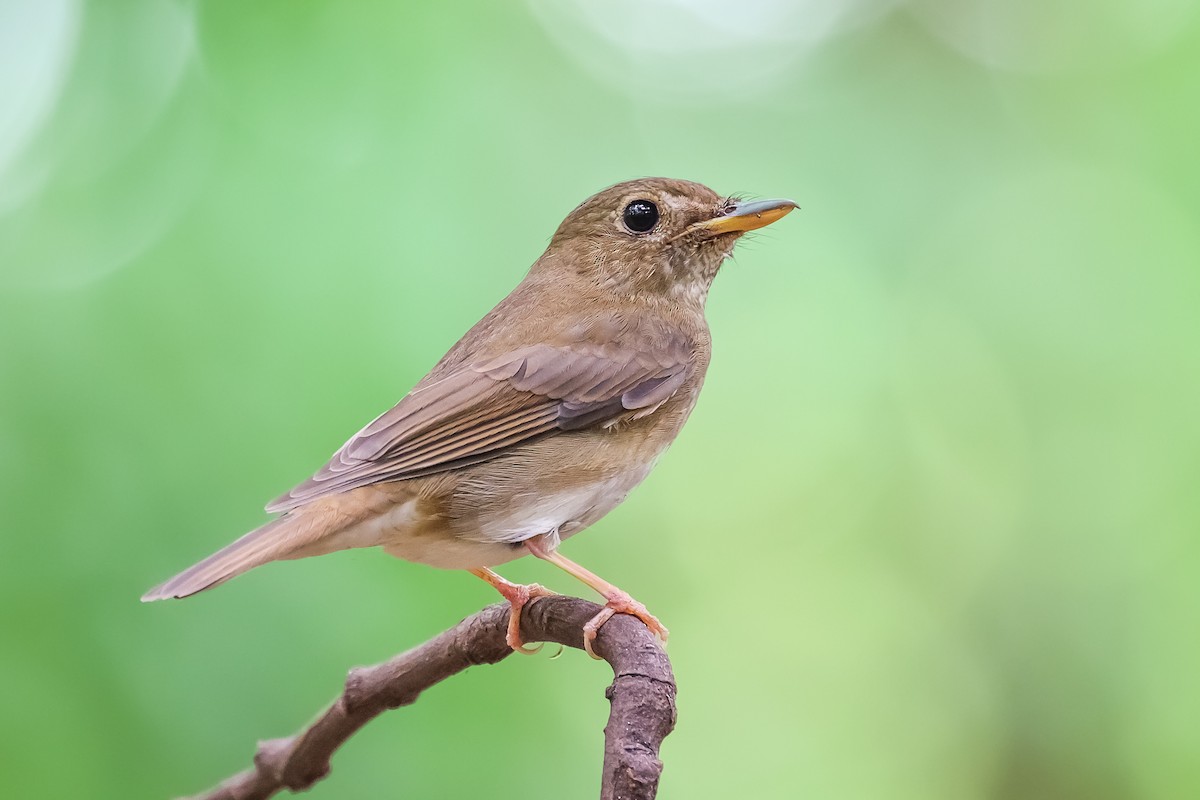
<point x="494" y="530"/>
<point x="566" y="511"/>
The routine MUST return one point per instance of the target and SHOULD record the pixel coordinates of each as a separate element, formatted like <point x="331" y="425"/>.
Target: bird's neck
<point x="656" y="282"/>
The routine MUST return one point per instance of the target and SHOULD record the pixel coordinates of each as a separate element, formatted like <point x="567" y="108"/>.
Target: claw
<point x="523" y="649"/>
<point x="621" y="603"/>
<point x="522" y="595"/>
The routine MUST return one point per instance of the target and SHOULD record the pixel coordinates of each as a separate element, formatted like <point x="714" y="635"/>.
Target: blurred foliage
<point x="930" y="534"/>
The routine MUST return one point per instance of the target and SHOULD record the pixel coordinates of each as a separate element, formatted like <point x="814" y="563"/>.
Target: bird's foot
<point x="517" y="595"/>
<point x="617" y="600"/>
<point x="620" y="602"/>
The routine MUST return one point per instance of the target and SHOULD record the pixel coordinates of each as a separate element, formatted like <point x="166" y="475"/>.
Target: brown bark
<point x="642" y="697"/>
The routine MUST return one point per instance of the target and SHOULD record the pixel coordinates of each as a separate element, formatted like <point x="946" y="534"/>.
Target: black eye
<point x="640" y="216"/>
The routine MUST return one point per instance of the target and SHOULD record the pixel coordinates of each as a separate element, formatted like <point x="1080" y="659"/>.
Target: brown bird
<point x="541" y="419"/>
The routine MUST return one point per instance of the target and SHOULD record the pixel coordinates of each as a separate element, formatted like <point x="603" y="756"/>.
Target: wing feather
<point x="479" y="410"/>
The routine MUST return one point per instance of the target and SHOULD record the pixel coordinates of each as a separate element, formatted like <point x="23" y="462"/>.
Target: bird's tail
<point x="271" y="542"/>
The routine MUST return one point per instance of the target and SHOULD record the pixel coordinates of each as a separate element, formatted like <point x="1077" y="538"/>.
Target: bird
<point x="541" y="419"/>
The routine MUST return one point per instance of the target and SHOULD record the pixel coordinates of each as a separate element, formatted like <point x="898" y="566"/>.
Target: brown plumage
<point x="542" y="418"/>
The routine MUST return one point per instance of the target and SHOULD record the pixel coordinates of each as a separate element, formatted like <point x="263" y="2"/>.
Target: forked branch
<point x="642" y="696"/>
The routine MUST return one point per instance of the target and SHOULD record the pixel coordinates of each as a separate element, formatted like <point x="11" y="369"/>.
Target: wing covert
<point x="480" y="410"/>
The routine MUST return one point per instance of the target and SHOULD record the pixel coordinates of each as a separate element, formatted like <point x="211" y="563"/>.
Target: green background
<point x="931" y="532"/>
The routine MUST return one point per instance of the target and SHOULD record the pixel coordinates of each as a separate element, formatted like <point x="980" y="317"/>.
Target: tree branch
<point x="642" y="695"/>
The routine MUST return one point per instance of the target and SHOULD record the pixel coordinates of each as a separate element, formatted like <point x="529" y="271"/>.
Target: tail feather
<point x="270" y="542"/>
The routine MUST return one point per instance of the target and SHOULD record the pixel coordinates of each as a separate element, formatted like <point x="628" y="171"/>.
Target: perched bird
<point x="541" y="419"/>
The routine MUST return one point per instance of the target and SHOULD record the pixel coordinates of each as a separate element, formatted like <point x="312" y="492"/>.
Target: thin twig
<point x="642" y="696"/>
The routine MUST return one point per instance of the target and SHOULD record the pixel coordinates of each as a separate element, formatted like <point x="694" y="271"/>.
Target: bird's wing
<point x="479" y="410"/>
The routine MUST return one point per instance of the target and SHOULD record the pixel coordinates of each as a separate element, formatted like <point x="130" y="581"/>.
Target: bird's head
<point x="655" y="236"/>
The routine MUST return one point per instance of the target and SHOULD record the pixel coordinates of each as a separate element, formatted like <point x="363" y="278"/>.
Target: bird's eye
<point x="640" y="216"/>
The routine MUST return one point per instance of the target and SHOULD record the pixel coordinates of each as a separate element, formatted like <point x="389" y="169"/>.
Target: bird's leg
<point x="517" y="596"/>
<point x="617" y="601"/>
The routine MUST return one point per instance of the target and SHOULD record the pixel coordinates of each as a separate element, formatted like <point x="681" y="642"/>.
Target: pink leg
<point x="517" y="596"/>
<point x="617" y="601"/>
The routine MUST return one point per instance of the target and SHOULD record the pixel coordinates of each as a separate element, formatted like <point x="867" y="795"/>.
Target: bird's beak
<point x="745" y="217"/>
